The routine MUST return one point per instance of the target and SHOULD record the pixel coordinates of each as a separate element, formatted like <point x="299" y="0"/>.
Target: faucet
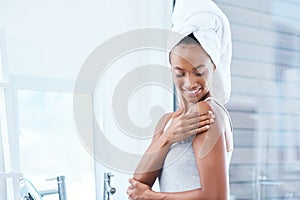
<point x="108" y="190"/>
<point x="60" y="190"/>
<point x="259" y="182"/>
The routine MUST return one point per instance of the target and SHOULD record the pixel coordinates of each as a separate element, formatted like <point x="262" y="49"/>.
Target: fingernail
<point x="213" y="116"/>
<point x="212" y="120"/>
<point x="209" y="112"/>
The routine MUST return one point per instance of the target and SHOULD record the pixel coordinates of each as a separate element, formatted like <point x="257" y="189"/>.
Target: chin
<point x="195" y="98"/>
<point x="189" y="99"/>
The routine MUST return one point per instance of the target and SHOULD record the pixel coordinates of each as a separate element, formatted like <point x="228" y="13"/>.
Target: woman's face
<point x="192" y="71"/>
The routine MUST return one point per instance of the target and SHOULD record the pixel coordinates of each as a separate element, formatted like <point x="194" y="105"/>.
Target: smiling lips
<point x="192" y="92"/>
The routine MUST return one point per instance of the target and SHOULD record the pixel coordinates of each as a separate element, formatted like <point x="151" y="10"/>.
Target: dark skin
<point x="192" y="74"/>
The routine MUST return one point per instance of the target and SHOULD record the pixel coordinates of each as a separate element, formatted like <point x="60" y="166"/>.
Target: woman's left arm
<point x="210" y="154"/>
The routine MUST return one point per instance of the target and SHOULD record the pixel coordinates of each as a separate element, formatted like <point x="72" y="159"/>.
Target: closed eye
<point x="200" y="74"/>
<point x="179" y="75"/>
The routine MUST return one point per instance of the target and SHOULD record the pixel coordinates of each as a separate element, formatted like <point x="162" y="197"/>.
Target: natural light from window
<point x="50" y="146"/>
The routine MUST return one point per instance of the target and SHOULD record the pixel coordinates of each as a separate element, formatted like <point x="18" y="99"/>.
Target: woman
<point x="206" y="156"/>
<point x="193" y="168"/>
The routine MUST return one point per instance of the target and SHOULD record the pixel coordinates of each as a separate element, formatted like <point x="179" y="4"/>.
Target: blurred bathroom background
<point x="44" y="44"/>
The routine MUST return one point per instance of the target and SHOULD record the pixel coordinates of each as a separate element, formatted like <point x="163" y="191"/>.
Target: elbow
<point x="143" y="178"/>
<point x="221" y="194"/>
<point x="221" y="197"/>
<point x="138" y="177"/>
<point x="217" y="197"/>
<point x="215" y="194"/>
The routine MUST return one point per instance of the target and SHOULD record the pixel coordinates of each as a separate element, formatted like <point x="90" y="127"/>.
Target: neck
<point x="191" y="106"/>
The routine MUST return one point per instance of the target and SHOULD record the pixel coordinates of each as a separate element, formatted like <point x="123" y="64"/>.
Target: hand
<point x="184" y="125"/>
<point x="138" y="191"/>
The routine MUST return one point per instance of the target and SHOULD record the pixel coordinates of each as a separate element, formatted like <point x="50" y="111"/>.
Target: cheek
<point x="177" y="81"/>
<point x="178" y="84"/>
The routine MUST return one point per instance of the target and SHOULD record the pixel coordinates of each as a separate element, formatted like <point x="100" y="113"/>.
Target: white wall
<point x="53" y="38"/>
<point x="48" y="41"/>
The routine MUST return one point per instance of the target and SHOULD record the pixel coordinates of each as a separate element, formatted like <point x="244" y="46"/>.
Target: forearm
<point x="140" y="191"/>
<point x="152" y="161"/>
<point x="196" y="194"/>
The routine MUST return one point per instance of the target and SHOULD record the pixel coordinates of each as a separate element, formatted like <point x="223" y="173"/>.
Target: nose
<point x="190" y="82"/>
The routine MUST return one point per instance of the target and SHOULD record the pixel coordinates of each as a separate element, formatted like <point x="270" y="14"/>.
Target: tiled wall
<point x="265" y="102"/>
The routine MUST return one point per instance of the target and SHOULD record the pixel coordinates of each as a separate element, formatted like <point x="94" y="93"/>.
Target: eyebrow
<point x="178" y="68"/>
<point x="199" y="66"/>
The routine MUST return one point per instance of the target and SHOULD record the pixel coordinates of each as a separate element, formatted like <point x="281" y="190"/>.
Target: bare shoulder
<point x="216" y="127"/>
<point x="205" y="106"/>
<point x="221" y="128"/>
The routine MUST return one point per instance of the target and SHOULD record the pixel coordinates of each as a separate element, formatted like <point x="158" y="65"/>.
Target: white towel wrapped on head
<point x="211" y="27"/>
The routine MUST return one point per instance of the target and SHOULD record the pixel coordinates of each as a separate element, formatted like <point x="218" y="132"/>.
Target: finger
<point x="192" y="124"/>
<point x="204" y="119"/>
<point x="133" y="182"/>
<point x="130" y="180"/>
<point x="130" y="188"/>
<point x="193" y="127"/>
<point x="206" y="122"/>
<point x="196" y="120"/>
<point x="200" y="121"/>
<point x="197" y="131"/>
<point x="211" y="114"/>
<point x="130" y="194"/>
<point x="130" y="197"/>
<point x="197" y="116"/>
<point x="187" y="128"/>
<point x="205" y="116"/>
<point x="203" y="129"/>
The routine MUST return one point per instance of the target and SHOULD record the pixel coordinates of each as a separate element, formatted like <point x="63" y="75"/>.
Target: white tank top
<point x="179" y="172"/>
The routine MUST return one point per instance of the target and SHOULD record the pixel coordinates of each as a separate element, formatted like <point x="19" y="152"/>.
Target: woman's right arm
<point x="181" y="127"/>
<point x="149" y="167"/>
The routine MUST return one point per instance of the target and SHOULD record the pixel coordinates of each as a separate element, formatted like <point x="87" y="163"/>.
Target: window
<point x="50" y="146"/>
